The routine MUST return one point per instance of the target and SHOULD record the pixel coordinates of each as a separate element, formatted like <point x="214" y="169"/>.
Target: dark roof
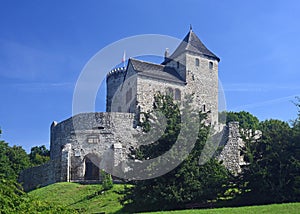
<point x="156" y="71"/>
<point x="193" y="44"/>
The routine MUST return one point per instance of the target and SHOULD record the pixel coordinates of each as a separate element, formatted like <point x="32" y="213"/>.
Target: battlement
<point x="116" y="71"/>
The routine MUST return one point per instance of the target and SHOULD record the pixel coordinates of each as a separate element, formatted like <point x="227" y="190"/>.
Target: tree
<point x="274" y="167"/>
<point x="39" y="155"/>
<point x="189" y="184"/>
<point x="246" y="120"/>
<point x="12" y="160"/>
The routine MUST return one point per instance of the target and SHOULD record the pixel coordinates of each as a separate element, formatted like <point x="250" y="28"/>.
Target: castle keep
<point x="105" y="138"/>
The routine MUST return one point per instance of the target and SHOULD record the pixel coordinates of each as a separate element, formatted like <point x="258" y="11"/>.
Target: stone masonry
<point x="82" y="144"/>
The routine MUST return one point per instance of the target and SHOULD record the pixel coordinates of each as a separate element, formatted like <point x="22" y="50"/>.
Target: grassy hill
<point x="273" y="208"/>
<point x="85" y="198"/>
<point x="91" y="199"/>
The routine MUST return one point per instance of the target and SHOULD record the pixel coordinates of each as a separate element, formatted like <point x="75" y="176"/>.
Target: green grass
<point x="273" y="208"/>
<point x="87" y="198"/>
<point x="90" y="199"/>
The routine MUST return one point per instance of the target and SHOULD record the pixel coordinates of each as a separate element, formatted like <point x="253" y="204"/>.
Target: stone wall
<point x="103" y="137"/>
<point x="40" y="176"/>
<point x="114" y="80"/>
<point x="230" y="154"/>
<point x="202" y="80"/>
<point x="147" y="87"/>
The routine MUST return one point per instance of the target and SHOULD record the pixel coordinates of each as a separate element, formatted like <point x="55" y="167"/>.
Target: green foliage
<point x="274" y="167"/>
<point x="12" y="160"/>
<point x="246" y="120"/>
<point x="14" y="200"/>
<point x="39" y="155"/>
<point x="164" y="107"/>
<point x="107" y="182"/>
<point x="10" y="195"/>
<point x="189" y="184"/>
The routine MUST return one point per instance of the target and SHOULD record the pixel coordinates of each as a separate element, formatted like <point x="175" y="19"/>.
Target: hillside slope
<point x="91" y="199"/>
<point x="84" y="198"/>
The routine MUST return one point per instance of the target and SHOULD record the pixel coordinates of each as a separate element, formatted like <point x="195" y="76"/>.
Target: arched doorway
<point x="92" y="171"/>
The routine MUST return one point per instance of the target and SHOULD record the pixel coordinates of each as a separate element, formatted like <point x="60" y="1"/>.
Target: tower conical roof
<point x="192" y="43"/>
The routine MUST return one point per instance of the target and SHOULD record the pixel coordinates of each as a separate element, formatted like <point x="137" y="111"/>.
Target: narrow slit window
<point x="211" y="65"/>
<point x="197" y="62"/>
<point x="177" y="94"/>
<point x="170" y="92"/>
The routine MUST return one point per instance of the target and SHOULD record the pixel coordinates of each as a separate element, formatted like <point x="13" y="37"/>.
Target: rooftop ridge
<point x="143" y="61"/>
<point x="191" y="43"/>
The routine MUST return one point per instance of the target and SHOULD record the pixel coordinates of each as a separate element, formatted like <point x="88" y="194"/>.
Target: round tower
<point x="114" y="79"/>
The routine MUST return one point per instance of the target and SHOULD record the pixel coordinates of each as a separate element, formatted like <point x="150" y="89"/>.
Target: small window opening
<point x="98" y="127"/>
<point x="197" y="62"/>
<point x="128" y="95"/>
<point x="170" y="92"/>
<point x="211" y="65"/>
<point x="177" y="64"/>
<point x="93" y="139"/>
<point x="177" y="94"/>
<point x="204" y="108"/>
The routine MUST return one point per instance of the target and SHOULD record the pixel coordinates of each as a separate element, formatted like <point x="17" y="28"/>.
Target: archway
<point x="92" y="171"/>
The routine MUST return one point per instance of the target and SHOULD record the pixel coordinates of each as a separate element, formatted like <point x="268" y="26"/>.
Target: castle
<point x="79" y="142"/>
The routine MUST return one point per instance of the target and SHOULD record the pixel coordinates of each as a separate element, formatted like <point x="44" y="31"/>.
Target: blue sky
<point x="44" y="45"/>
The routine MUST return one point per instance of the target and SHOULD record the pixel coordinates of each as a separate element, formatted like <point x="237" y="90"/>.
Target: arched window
<point x="211" y="65"/>
<point x="177" y="94"/>
<point x="170" y="92"/>
<point x="197" y="63"/>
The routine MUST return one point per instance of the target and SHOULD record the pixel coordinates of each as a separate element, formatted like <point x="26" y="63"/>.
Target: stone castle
<point x="79" y="142"/>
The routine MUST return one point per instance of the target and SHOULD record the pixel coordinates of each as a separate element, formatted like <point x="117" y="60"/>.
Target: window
<point x="211" y="65"/>
<point x="128" y="95"/>
<point x="177" y="94"/>
<point x="177" y="64"/>
<point x="170" y="92"/>
<point x="197" y="63"/>
<point x="93" y="139"/>
<point x="204" y="108"/>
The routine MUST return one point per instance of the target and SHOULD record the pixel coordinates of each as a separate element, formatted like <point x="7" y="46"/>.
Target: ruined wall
<point x="230" y="154"/>
<point x="40" y="176"/>
<point x="106" y="137"/>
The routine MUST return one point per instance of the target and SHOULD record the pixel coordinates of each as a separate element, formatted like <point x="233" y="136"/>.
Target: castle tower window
<point x="197" y="63"/>
<point x="128" y="95"/>
<point x="211" y="65"/>
<point x="177" y="94"/>
<point x="93" y="139"/>
<point x="170" y="92"/>
<point x="204" y="108"/>
<point x="177" y="64"/>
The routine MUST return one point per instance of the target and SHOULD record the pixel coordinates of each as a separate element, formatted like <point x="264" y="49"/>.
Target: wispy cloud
<point x="41" y="86"/>
<point x="259" y="87"/>
<point x="24" y="62"/>
<point x="267" y="102"/>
